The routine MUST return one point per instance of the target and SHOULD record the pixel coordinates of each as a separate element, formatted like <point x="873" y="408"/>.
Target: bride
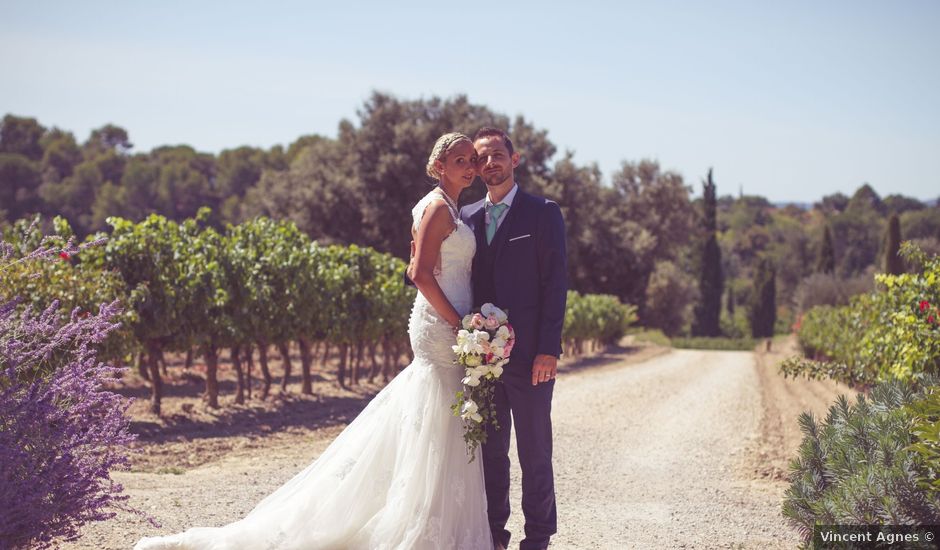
<point x="397" y="477"/>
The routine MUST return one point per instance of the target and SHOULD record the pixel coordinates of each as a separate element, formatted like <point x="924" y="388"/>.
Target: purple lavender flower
<point x="61" y="431"/>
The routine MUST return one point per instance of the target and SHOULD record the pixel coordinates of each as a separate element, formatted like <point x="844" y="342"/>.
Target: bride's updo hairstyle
<point x="441" y="146"/>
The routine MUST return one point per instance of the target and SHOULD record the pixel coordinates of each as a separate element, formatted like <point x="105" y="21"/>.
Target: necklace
<point x="450" y="202"/>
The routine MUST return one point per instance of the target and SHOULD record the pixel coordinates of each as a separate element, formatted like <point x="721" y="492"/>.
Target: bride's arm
<point x="435" y="225"/>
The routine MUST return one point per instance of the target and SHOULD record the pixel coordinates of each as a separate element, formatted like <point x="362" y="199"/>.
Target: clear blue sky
<point x="791" y="100"/>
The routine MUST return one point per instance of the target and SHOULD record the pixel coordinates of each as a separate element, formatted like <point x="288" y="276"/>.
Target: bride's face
<point x="458" y="167"/>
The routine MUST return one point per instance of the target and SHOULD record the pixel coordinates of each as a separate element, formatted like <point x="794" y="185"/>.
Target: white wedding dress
<point x="398" y="476"/>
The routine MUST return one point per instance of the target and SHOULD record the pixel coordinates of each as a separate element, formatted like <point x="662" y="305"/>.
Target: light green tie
<point x="495" y="212"/>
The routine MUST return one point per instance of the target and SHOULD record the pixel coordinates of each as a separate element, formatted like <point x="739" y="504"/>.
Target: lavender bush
<point x="61" y="430"/>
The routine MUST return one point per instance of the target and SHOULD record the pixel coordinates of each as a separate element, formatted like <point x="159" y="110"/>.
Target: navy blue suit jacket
<point x="530" y="273"/>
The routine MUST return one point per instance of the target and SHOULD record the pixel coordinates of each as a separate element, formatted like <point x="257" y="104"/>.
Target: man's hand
<point x="544" y="368"/>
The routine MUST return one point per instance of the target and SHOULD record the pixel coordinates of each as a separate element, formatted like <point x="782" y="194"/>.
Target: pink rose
<point x="507" y="349"/>
<point x="477" y="321"/>
<point x="491" y="323"/>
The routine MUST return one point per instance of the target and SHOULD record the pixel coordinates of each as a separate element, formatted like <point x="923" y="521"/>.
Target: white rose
<point x="480" y="371"/>
<point x="472" y="381"/>
<point x="489" y="309"/>
<point x="498" y="351"/>
<point x="502" y="333"/>
<point x="469" y="407"/>
<point x="497" y="370"/>
<point x="466" y="322"/>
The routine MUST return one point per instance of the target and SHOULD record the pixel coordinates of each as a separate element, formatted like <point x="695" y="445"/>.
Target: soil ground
<point x="654" y="448"/>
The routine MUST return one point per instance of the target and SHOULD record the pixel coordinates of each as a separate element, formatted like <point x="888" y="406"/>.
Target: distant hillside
<point x="800" y="205"/>
<point x="808" y="205"/>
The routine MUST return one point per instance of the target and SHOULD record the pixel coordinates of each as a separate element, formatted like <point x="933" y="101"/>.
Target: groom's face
<point x="494" y="163"/>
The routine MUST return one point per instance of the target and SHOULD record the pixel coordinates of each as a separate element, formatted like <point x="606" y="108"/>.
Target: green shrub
<point x="926" y="430"/>
<point x="891" y="333"/>
<point x="856" y="467"/>
<point x="702" y="342"/>
<point x="598" y="319"/>
<point x="652" y="336"/>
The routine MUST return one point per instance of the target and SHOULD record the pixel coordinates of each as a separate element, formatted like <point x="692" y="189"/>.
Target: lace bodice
<point x="431" y="336"/>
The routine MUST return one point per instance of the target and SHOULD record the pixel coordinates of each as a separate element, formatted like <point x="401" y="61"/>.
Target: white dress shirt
<point x="507" y="200"/>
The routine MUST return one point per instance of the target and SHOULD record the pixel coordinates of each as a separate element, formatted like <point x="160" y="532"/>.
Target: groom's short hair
<point x="488" y="131"/>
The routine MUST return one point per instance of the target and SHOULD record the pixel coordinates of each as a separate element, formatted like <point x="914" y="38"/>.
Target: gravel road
<point x="669" y="451"/>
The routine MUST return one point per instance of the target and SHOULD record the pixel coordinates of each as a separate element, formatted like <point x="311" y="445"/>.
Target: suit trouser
<point x="531" y="408"/>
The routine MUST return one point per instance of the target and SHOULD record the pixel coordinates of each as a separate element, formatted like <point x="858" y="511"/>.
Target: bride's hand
<point x="410" y="270"/>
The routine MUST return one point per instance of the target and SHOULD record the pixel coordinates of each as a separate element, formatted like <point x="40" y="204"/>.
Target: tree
<point x="898" y="204"/>
<point x="763" y="307"/>
<point x="711" y="286"/>
<point x="183" y="186"/>
<point x="74" y="196"/>
<point x="832" y="204"/>
<point x="237" y="170"/>
<point x="61" y="155"/>
<point x="319" y="193"/>
<point x="893" y="264"/>
<point x="670" y="298"/>
<point x="865" y="198"/>
<point x="648" y="218"/>
<point x="921" y="224"/>
<point x="857" y="233"/>
<point x="107" y="138"/>
<point x="19" y="184"/>
<point x="826" y="260"/>
<point x="139" y="183"/>
<point x="659" y="202"/>
<point x="21" y="136"/>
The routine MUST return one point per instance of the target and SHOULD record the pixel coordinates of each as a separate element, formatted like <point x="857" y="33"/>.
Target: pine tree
<point x="708" y="312"/>
<point x="826" y="261"/>
<point x="763" y="306"/>
<point x="894" y="265"/>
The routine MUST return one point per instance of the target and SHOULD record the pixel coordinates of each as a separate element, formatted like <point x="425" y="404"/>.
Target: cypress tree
<point x="894" y="265"/>
<point x="708" y="311"/>
<point x="826" y="261"/>
<point x="763" y="310"/>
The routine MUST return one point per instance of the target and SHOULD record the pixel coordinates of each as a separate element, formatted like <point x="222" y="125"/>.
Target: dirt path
<point x="657" y="449"/>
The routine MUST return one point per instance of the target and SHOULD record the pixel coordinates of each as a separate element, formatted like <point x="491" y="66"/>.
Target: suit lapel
<point x="505" y="228"/>
<point x="477" y="222"/>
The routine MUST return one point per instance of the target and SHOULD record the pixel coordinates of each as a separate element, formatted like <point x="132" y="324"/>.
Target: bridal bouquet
<point x="483" y="347"/>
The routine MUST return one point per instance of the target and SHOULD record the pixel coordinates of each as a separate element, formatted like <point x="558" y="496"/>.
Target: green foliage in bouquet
<point x="474" y="433"/>
<point x="856" y="467"/>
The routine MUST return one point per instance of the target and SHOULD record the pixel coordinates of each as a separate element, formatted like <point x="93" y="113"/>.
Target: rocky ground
<point x="654" y="448"/>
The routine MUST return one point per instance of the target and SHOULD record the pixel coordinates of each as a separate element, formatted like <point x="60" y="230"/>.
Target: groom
<point x="520" y="266"/>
